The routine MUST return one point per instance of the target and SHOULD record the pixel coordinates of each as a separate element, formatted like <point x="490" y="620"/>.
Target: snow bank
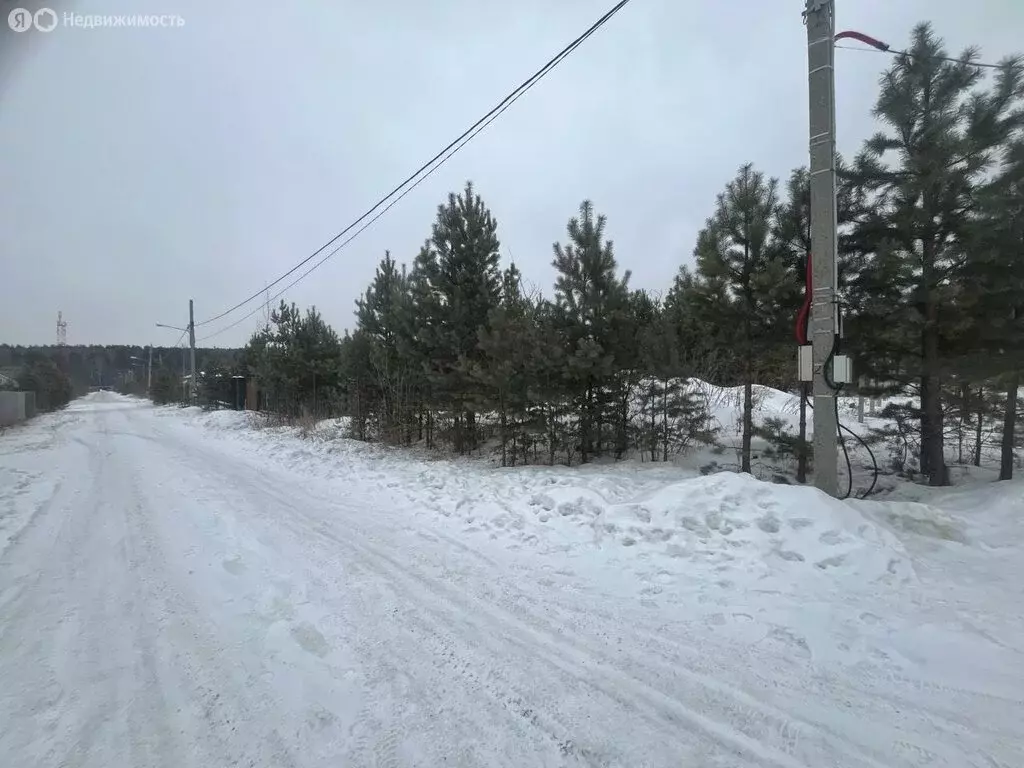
<point x="791" y="539"/>
<point x="727" y="522"/>
<point x="737" y="521"/>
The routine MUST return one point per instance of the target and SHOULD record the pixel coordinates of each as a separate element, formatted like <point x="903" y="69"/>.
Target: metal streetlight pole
<point x="191" y="331"/>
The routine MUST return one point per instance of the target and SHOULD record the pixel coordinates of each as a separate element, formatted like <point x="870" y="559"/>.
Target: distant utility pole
<point x="62" y="342"/>
<point x="149" y="371"/>
<point x="820" y="19"/>
<point x="192" y="350"/>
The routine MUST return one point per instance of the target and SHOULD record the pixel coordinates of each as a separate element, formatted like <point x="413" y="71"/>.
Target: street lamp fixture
<point x="190" y="329"/>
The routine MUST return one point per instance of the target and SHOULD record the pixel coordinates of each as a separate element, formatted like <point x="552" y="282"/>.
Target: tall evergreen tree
<point x="684" y="311"/>
<point x="918" y="178"/>
<point x="421" y="338"/>
<point x="361" y="393"/>
<point x="794" y="233"/>
<point x="995" y="290"/>
<point x="742" y="280"/>
<point x="460" y="264"/>
<point x="551" y="420"/>
<point x="591" y="301"/>
<point x="385" y="315"/>
<point x="297" y="361"/>
<point x="508" y="345"/>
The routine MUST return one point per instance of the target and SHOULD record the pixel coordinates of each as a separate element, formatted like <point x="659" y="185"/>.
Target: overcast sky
<point x="143" y="167"/>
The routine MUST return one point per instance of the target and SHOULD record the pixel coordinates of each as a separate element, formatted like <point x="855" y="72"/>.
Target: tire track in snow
<point x="368" y="538"/>
<point x="103" y="642"/>
<point x="657" y="705"/>
<point x="760" y="724"/>
<point x="763" y="726"/>
<point x="430" y="634"/>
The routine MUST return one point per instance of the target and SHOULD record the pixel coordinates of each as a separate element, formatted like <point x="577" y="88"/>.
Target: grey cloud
<point x="142" y="167"/>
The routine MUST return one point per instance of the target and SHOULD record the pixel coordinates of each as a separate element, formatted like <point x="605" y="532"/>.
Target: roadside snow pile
<point x="226" y="420"/>
<point x="734" y="522"/>
<point x="729" y="522"/>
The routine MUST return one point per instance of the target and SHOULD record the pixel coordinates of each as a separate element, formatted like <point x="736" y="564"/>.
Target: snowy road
<point x="170" y="602"/>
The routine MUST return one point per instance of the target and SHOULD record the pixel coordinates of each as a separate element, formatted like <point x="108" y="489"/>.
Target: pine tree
<point x="995" y="289"/>
<point x="794" y="233"/>
<point x="551" y="389"/>
<point x="742" y="280"/>
<point x="460" y="264"/>
<point x="640" y="384"/>
<point x="297" y="361"/>
<point x="505" y="370"/>
<point x="918" y="182"/>
<point x="362" y="396"/>
<point x="52" y="387"/>
<point x="686" y="315"/>
<point x="317" y="352"/>
<point x="672" y="416"/>
<point x="590" y="299"/>
<point x="166" y="387"/>
<point x="384" y="315"/>
<point x="421" y="335"/>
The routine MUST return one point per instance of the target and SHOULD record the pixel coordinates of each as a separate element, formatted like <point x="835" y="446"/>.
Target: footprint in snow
<point x="832" y="537"/>
<point x="310" y="639"/>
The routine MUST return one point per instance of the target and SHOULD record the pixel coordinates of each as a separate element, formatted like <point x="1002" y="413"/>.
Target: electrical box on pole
<point x="805" y="362"/>
<point x="819" y="16"/>
<point x="842" y="370"/>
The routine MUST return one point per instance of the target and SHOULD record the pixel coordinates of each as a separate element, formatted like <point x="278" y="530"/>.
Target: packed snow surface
<point x="184" y="589"/>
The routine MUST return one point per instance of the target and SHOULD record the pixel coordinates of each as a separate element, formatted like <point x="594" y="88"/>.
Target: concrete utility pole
<point x="62" y="341"/>
<point x="192" y="350"/>
<point x="820" y="19"/>
<point x="149" y="371"/>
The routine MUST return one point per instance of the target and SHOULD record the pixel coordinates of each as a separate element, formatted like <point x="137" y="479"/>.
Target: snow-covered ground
<point x="178" y="588"/>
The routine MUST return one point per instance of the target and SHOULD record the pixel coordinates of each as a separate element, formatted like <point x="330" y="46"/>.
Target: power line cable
<point x="447" y="153"/>
<point x="345" y="242"/>
<point x="452" y="147"/>
<point x="895" y="52"/>
<point x="179" y="339"/>
<point x="356" y="234"/>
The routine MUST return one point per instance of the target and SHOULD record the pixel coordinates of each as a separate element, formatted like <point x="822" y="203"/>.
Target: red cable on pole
<point x="866" y="39"/>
